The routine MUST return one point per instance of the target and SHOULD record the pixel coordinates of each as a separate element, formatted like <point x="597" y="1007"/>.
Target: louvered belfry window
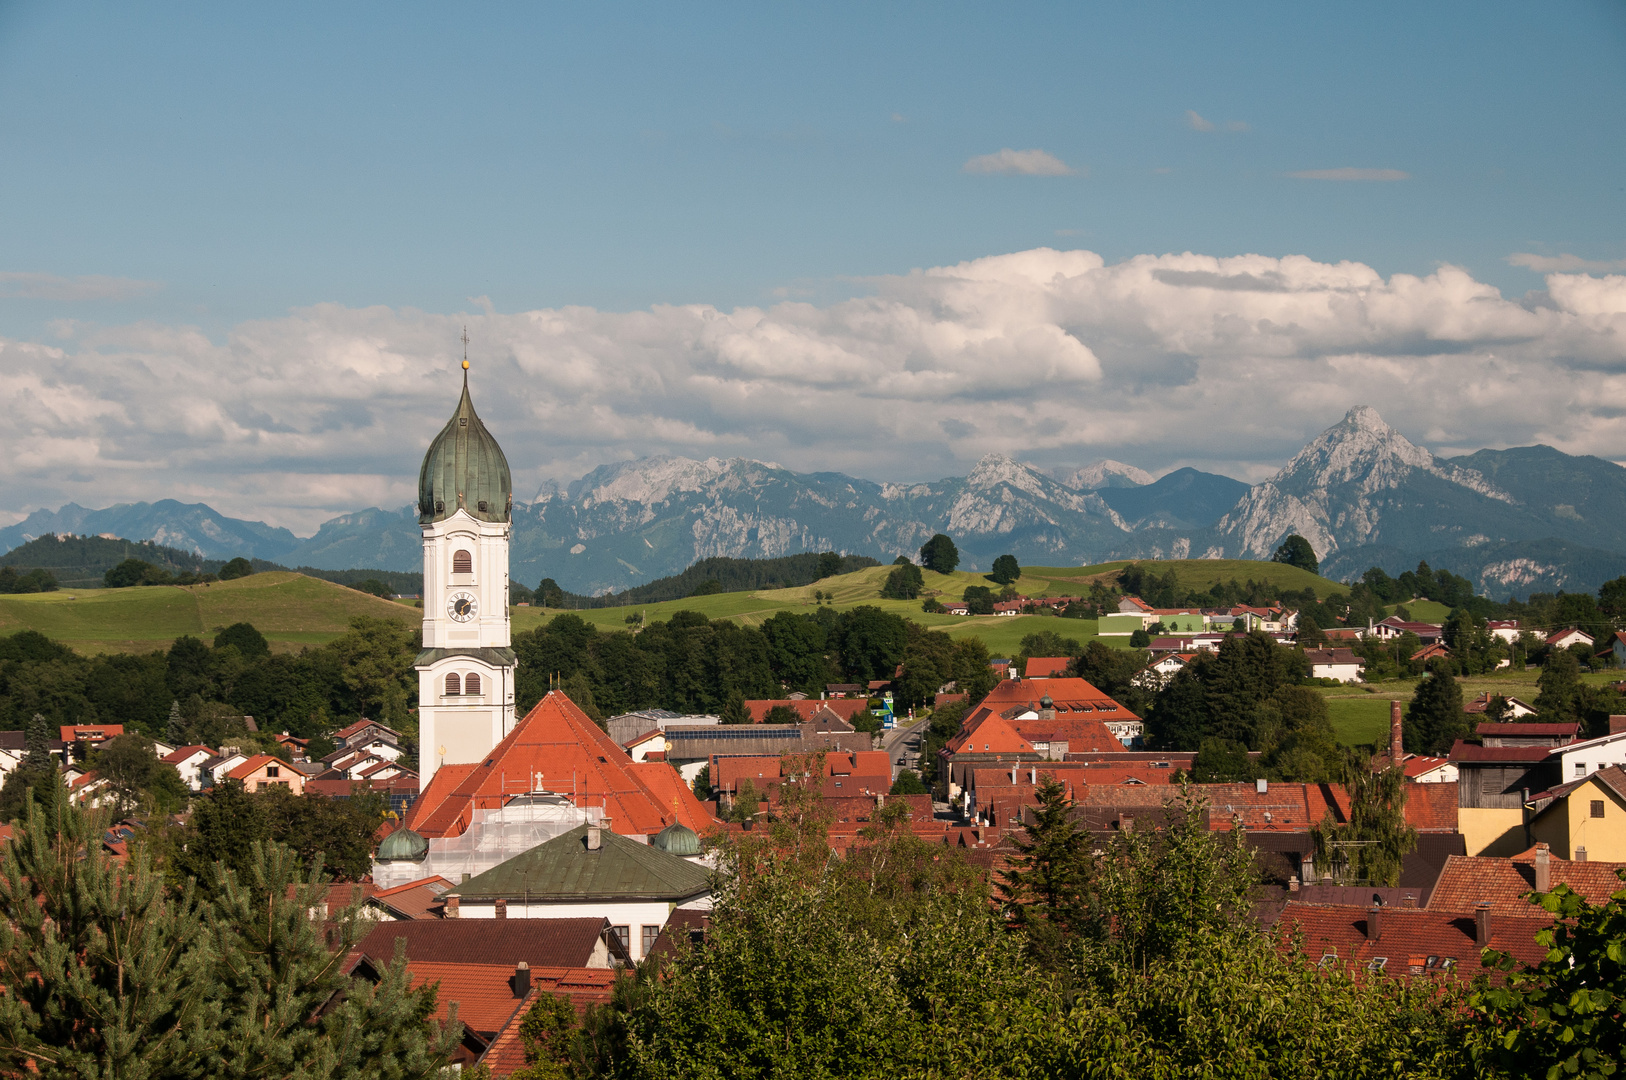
<point x="471" y="683"/>
<point x="462" y="563"/>
<point x="451" y="683"/>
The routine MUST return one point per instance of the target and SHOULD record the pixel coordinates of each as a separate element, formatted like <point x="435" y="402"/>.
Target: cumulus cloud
<point x="1053" y="356"/>
<point x="1351" y="174"/>
<point x="1196" y="122"/>
<point x="1019" y="163"/>
<point x="24" y="285"/>
<point x="1565" y="264"/>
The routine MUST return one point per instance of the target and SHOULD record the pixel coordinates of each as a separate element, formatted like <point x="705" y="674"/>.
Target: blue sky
<point x="192" y="192"/>
<point x="249" y="159"/>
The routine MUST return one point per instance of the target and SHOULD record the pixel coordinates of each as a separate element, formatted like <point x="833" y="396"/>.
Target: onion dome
<point x="464" y="468"/>
<point x="678" y="839"/>
<point x="403" y="845"/>
<point x="1047" y="702"/>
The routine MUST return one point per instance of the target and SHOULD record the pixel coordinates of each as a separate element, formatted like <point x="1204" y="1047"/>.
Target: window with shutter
<point x="451" y="683"/>
<point x="471" y="683"/>
<point x="462" y="563"/>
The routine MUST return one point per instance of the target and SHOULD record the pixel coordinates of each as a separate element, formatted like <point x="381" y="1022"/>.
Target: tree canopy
<point x="1296" y="551"/>
<point x="940" y="554"/>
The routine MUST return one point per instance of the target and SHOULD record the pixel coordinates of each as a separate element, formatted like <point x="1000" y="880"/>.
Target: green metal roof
<point x="497" y="657"/>
<point x="403" y="845"/>
<point x="564" y="870"/>
<point x="464" y="467"/>
<point x="678" y="839"/>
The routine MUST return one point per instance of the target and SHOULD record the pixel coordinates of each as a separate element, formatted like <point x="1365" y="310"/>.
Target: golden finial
<point x="465" y="348"/>
<point x="465" y="365"/>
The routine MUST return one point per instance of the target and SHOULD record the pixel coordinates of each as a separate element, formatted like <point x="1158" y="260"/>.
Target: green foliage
<point x="1111" y="671"/>
<point x="106" y="973"/>
<point x="908" y="783"/>
<point x="236" y="568"/>
<point x="1225" y="694"/>
<point x="866" y="721"/>
<point x="729" y="574"/>
<point x="1562" y="1016"/>
<point x="373" y="587"/>
<point x="1045" y="886"/>
<point x="1140" y="639"/>
<point x="35" y="782"/>
<point x="709" y="587"/>
<point x="245" y="639"/>
<point x="932" y="659"/>
<point x="940" y="554"/>
<point x="782" y="714"/>
<point x="903" y="583"/>
<point x="1434" y="719"/>
<point x="1296" y="551"/>
<point x="830" y="564"/>
<point x="1367" y="850"/>
<point x="137" y="779"/>
<point x="734" y="710"/>
<point x="227" y="823"/>
<point x="979" y="600"/>
<point x="1222" y="761"/>
<point x="1006" y="570"/>
<point x="546" y="1032"/>
<point x="1560" y="684"/>
<point x="702" y="783"/>
<point x="37" y="580"/>
<point x="80" y="561"/>
<point x="549" y="594"/>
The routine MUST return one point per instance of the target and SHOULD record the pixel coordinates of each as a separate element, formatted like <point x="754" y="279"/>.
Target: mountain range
<point x="1513" y="521"/>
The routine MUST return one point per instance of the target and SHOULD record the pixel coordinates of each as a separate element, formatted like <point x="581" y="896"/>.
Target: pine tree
<point x="1434" y="719"/>
<point x="734" y="710"/>
<point x="37" y="773"/>
<point x="1045" y="886"/>
<point x="1560" y="686"/>
<point x="175" y="732"/>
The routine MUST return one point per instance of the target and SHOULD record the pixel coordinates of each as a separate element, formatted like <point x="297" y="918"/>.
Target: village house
<point x="1506" y="630"/>
<point x="1429" y="770"/>
<point x="1517" y="709"/>
<point x="1047" y="667"/>
<point x="1502" y="886"/>
<point x="1340" y="664"/>
<point x="1394" y="626"/>
<point x="262" y="771"/>
<point x="809" y="708"/>
<point x="81" y="740"/>
<point x="1524" y="733"/>
<point x="1579" y="758"/>
<point x="188" y="761"/>
<point x="1583" y="819"/>
<point x="1492" y="782"/>
<point x="1563" y="639"/>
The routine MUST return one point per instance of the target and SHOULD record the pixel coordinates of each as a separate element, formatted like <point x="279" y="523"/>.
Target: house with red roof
<point x="1563" y="639"/>
<point x="80" y="740"/>
<point x="1394" y="626"/>
<point x="188" y="761"/>
<point x="846" y="773"/>
<point x="1340" y="664"/>
<point x="808" y="708"/>
<point x="1503" y="885"/>
<point x="262" y="771"/>
<point x="1046" y="667"/>
<point x="1400" y="942"/>
<point x="1420" y="769"/>
<point x="1517" y="709"/>
<point x="1583" y="819"/>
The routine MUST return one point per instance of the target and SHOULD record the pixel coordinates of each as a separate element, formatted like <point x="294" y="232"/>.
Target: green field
<point x="291" y="610"/>
<point x="1423" y="611"/>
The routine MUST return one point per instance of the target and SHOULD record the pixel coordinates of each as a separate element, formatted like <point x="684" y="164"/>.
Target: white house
<point x="188" y="761"/>
<point x="1583" y="758"/>
<point x="1430" y="770"/>
<point x="1504" y="629"/>
<point x="1340" y="664"/>
<point x="1563" y="639"/>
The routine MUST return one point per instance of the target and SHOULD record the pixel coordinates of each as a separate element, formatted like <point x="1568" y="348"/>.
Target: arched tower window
<point x="451" y="683"/>
<point x="471" y="683"/>
<point x="462" y="562"/>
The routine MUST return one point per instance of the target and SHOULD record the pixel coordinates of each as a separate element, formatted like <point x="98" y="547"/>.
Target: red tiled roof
<point x="254" y="765"/>
<point x="1417" y="766"/>
<point x="559" y="749"/>
<point x="80" y="732"/>
<point x="415" y="899"/>
<point x="1515" y="727"/>
<point x="361" y="725"/>
<point x="1409" y="936"/>
<point x="1467" y="751"/>
<point x="846" y="708"/>
<point x="1084" y="734"/>
<point x="989" y="734"/>
<point x="501" y="942"/>
<point x="184" y="752"/>
<point x="584" y="987"/>
<point x="1046" y="667"/>
<point x="1503" y="883"/>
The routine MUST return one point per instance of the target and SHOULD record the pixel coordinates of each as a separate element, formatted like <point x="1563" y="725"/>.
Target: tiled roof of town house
<point x="1503" y="883"/>
<point x="181" y="754"/>
<point x="415" y="900"/>
<point x="765" y="771"/>
<point x="503" y="942"/>
<point x="565" y="869"/>
<point x="1462" y="750"/>
<point x="80" y="732"/>
<point x="362" y="725"/>
<point x="1087" y="734"/>
<point x="990" y="734"/>
<point x="1613" y="779"/>
<point x="483" y="993"/>
<point x="1333" y="656"/>
<point x="1046" y="667"/>
<point x="1559" y="635"/>
<point x="1519" y="727"/>
<point x="846" y="708"/>
<point x="1418" y="765"/>
<point x="585" y="988"/>
<point x="558" y="749"/>
<point x="1069" y="695"/>
<point x="254" y="765"/>
<point x="1408" y="937"/>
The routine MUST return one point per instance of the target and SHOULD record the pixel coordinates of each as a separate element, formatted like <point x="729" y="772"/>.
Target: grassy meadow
<point x="290" y="609"/>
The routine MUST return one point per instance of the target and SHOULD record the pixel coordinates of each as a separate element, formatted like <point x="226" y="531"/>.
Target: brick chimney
<point x="1617" y="724"/>
<point x="502" y="908"/>
<point x="452" y="900"/>
<point x="522" y="978"/>
<point x="1544" y="869"/>
<point x="1397" y="750"/>
<point x="1374" y="923"/>
<point x="1482" y="924"/>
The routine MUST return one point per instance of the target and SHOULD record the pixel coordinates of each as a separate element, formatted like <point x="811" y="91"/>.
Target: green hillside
<point x="289" y="609"/>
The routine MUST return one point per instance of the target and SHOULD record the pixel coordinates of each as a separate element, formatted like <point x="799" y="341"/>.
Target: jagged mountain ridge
<point x="1513" y="520"/>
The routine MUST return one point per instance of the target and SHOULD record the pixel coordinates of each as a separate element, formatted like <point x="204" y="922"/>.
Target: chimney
<point x="1482" y="924"/>
<point x="1544" y="869"/>
<point x="1374" y="923"/>
<point x="522" y="978"/>
<point x="452" y="900"/>
<point x="1293" y="884"/>
<point x="1033" y="776"/>
<point x="1580" y="854"/>
<point x="1617" y="724"/>
<point x="502" y="908"/>
<point x="1397" y="749"/>
<point x="1307" y="869"/>
<point x="1013" y="774"/>
<point x="595" y="838"/>
<point x="1261" y="786"/>
<point x="1126" y="822"/>
<point x="1409" y="900"/>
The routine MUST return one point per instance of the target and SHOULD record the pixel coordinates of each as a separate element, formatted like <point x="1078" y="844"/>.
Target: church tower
<point x="466" y="669"/>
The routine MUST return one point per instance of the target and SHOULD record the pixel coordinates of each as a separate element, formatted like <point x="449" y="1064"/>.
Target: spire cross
<point x="465" y="355"/>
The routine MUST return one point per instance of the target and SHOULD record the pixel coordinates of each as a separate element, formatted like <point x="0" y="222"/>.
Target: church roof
<point x="557" y="748"/>
<point x="464" y="468"/>
<point x="566" y="868"/>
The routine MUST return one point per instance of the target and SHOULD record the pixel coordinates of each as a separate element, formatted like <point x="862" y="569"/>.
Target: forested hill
<point x="719" y="575"/>
<point x="80" y="561"/>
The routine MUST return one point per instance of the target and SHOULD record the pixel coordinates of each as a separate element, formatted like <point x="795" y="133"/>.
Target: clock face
<point x="462" y="606"/>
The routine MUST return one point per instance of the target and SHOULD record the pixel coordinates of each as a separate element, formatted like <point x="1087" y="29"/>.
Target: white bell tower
<point x="466" y="669"/>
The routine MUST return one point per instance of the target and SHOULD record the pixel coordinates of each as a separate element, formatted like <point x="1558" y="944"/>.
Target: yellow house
<point x="1586" y="816"/>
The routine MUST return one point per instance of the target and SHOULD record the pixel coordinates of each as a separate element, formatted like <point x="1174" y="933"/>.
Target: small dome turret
<point x="403" y="845"/>
<point x="464" y="468"/>
<point x="678" y="839"/>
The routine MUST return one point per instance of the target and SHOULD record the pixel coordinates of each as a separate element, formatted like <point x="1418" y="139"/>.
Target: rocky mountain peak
<point x="1366" y="418"/>
<point x="1359" y="449"/>
<point x="1107" y="474"/>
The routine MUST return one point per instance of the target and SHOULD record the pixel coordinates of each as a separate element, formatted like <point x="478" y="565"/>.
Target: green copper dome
<point x="403" y="845"/>
<point x="678" y="839"/>
<point x="464" y="467"/>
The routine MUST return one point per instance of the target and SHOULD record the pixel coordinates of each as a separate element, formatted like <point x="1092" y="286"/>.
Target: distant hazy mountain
<point x="1515" y="520"/>
<point x="1184" y="499"/>
<point x="1107" y="474"/>
<point x="190" y="527"/>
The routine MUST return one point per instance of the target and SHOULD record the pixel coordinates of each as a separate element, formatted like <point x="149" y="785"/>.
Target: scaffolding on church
<point x="494" y="836"/>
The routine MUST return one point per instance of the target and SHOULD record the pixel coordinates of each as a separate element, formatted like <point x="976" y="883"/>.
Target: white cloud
<point x="1053" y="356"/>
<point x="1565" y="264"/>
<point x="1351" y="174"/>
<point x="1196" y="122"/>
<point x="1019" y="163"/>
<point x="24" y="285"/>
